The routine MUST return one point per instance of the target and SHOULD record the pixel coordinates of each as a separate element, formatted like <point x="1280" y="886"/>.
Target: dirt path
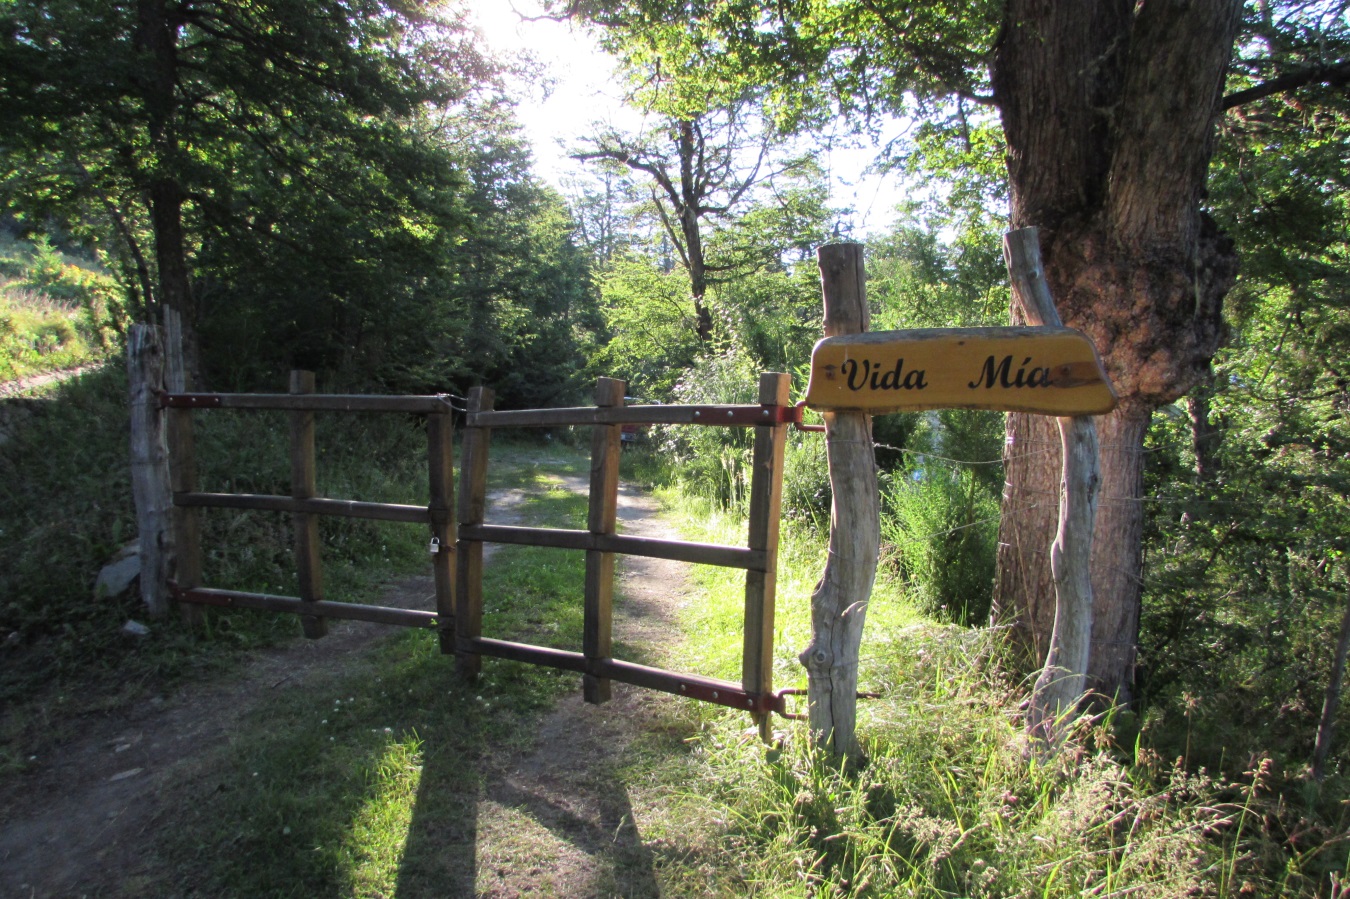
<point x="29" y="383"/>
<point x="76" y="824"/>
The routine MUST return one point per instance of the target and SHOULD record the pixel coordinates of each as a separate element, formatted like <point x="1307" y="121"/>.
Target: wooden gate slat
<point x="307" y="562"/>
<point x="441" y="510"/>
<point x="469" y="565"/>
<point x="602" y="518"/>
<point x="562" y="538"/>
<point x="337" y="508"/>
<point x="211" y="596"/>
<point x="187" y="528"/>
<point x="766" y="500"/>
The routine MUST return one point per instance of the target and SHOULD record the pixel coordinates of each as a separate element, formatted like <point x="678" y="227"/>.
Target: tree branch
<point x="1333" y="75"/>
<point x="627" y="157"/>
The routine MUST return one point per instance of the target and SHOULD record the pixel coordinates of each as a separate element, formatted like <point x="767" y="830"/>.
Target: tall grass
<point x="950" y="800"/>
<point x="943" y="529"/>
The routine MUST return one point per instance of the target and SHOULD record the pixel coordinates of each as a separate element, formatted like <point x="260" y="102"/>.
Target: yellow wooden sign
<point x="1049" y="371"/>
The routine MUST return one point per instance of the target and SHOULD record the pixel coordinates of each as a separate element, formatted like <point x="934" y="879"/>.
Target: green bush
<point x="714" y="462"/>
<point x="943" y="529"/>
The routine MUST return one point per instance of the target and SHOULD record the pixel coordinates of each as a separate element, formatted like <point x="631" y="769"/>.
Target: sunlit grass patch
<point x="713" y="622"/>
<point x="374" y="849"/>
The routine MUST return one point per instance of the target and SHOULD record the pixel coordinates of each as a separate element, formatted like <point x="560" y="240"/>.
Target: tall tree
<point x="602" y="204"/>
<point x="1108" y="114"/>
<point x="206" y="110"/>
<point x="701" y="166"/>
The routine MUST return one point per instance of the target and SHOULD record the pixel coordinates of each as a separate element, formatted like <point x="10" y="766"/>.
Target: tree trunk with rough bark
<point x="1109" y="110"/>
<point x="151" y="490"/>
<point x="157" y="41"/>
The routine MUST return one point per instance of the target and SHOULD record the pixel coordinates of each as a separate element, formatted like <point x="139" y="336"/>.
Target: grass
<point x="55" y="312"/>
<point x="371" y="783"/>
<point x="950" y="801"/>
<point x="363" y="785"/>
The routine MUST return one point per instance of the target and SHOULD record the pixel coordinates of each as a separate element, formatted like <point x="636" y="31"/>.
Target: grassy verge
<point x="949" y="801"/>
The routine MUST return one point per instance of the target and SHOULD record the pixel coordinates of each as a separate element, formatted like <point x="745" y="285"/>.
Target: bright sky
<point x="583" y="91"/>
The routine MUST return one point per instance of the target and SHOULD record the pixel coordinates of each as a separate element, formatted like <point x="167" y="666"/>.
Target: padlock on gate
<point x="435" y="546"/>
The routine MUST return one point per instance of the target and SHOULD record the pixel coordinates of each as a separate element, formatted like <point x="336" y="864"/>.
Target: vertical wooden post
<point x="839" y="603"/>
<point x="306" y="524"/>
<point x="472" y="508"/>
<point x="766" y="502"/>
<point x="441" y="465"/>
<point x="1062" y="681"/>
<point x="150" y="485"/>
<point x="606" y="446"/>
<point x="187" y="528"/>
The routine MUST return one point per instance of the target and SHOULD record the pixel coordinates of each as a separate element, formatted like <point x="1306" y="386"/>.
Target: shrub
<point x="943" y="529"/>
<point x="714" y="462"/>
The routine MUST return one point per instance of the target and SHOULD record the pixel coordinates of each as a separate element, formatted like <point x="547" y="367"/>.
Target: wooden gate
<point x="458" y="559"/>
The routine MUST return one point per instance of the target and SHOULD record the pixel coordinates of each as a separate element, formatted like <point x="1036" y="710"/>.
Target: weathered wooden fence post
<point x="1060" y="686"/>
<point x="441" y="468"/>
<point x="761" y="587"/>
<point x="150" y="485"/>
<point x="839" y="603"/>
<point x="187" y="528"/>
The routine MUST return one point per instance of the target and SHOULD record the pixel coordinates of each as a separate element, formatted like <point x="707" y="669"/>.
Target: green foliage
<point x="771" y="314"/>
<point x="919" y="277"/>
<point x="497" y="293"/>
<point x="714" y="462"/>
<point x="806" y="480"/>
<point x="351" y="189"/>
<point x="53" y="314"/>
<point x="651" y="324"/>
<point x="812" y="60"/>
<point x="943" y="528"/>
<point x="1247" y="536"/>
<point x="728" y="268"/>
